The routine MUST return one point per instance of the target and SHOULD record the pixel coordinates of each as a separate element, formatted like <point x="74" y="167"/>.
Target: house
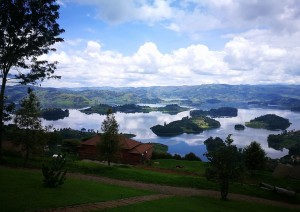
<point x="132" y="152"/>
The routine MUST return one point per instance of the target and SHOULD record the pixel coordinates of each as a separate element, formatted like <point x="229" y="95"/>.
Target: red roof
<point x="135" y="147"/>
<point x="141" y="148"/>
<point x="92" y="141"/>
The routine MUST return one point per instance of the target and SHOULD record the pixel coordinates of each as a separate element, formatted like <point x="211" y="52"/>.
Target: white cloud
<point x="243" y="60"/>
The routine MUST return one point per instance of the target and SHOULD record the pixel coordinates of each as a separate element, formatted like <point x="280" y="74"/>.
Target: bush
<point x="192" y="157"/>
<point x="54" y="174"/>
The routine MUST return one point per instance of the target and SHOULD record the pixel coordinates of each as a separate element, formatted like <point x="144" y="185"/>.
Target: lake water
<point x="140" y="123"/>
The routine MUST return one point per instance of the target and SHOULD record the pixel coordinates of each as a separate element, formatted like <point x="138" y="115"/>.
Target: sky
<point x="140" y="43"/>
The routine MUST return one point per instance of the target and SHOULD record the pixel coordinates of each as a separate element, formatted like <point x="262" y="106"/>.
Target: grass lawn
<point x="195" y="167"/>
<point x="142" y="175"/>
<point x="198" y="204"/>
<point x="22" y="190"/>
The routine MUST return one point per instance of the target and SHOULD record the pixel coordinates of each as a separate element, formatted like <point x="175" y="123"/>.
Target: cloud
<point x="120" y="11"/>
<point x="244" y="59"/>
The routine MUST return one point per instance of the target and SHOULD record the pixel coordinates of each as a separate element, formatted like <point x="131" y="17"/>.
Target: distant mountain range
<point x="201" y="96"/>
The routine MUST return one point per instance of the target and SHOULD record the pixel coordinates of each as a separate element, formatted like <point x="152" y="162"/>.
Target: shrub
<point x="54" y="173"/>
<point x="192" y="157"/>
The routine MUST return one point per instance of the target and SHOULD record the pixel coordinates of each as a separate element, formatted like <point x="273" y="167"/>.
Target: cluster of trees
<point x="239" y="127"/>
<point x="133" y="108"/>
<point x="28" y="29"/>
<point x="287" y="139"/>
<point x="185" y="125"/>
<point x="270" y="122"/>
<point x="54" y="113"/>
<point x="228" y="163"/>
<point x="164" y="155"/>
<point x="220" y="112"/>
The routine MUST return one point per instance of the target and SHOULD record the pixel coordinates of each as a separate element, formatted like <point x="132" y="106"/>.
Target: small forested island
<point x="53" y="114"/>
<point x="287" y="139"/>
<point x="220" y="112"/>
<point x="239" y="127"/>
<point x="133" y="108"/>
<point x="185" y="125"/>
<point x="269" y="122"/>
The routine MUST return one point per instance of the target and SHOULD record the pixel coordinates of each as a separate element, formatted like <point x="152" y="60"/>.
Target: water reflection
<point x="140" y="123"/>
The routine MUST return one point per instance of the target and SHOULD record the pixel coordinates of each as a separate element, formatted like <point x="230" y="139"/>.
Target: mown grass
<point x="22" y="190"/>
<point x="198" y="204"/>
<point x="248" y="187"/>
<point x="194" y="167"/>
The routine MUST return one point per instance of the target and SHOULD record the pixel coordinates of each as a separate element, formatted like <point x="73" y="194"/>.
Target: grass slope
<point x="22" y="190"/>
<point x="198" y="204"/>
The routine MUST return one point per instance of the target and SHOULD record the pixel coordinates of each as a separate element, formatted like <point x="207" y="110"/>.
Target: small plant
<point x="54" y="174"/>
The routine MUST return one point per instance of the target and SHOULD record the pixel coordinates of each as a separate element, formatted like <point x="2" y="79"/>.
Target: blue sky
<point x="168" y="42"/>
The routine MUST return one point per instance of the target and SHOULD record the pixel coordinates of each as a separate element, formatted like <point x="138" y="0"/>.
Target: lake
<point x="140" y="123"/>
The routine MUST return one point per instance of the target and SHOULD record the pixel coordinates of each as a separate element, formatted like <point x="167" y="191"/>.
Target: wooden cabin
<point x="132" y="152"/>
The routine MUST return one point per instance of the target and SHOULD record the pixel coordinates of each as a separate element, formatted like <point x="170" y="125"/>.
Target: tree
<point x="28" y="122"/>
<point x="254" y="156"/>
<point x="55" y="173"/>
<point x="192" y="157"/>
<point x="224" y="165"/>
<point x="109" y="145"/>
<point x="28" y="29"/>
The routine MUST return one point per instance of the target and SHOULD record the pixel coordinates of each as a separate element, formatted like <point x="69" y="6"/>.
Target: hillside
<point x="201" y="96"/>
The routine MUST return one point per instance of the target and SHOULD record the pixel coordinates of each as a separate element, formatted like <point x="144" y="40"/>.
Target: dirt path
<point x="163" y="192"/>
<point x="180" y="191"/>
<point x="107" y="204"/>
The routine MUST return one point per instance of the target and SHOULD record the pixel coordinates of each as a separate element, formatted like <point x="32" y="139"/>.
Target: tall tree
<point x="109" y="145"/>
<point x="28" y="122"/>
<point x="28" y="29"/>
<point x="255" y="157"/>
<point x="224" y="165"/>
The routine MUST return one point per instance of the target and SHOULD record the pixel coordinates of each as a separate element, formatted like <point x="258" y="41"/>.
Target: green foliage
<point x="54" y="113"/>
<point x="270" y="122"/>
<point x="28" y="29"/>
<point x="287" y="139"/>
<point x="109" y="145"/>
<point x="239" y="127"/>
<point x="54" y="173"/>
<point x="23" y="191"/>
<point x="70" y="145"/>
<point x="161" y="155"/>
<point x="224" y="165"/>
<point x="160" y="148"/>
<point x="133" y="108"/>
<point x="198" y="203"/>
<point x="191" y="156"/>
<point x="29" y="132"/>
<point x="220" y="112"/>
<point x="185" y="125"/>
<point x="254" y="156"/>
<point x="213" y="143"/>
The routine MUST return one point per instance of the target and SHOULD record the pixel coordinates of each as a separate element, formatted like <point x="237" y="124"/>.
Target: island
<point x="269" y="122"/>
<point x="172" y="109"/>
<point x="215" y="113"/>
<point x="53" y="114"/>
<point x="239" y="127"/>
<point x="185" y="125"/>
<point x="287" y="139"/>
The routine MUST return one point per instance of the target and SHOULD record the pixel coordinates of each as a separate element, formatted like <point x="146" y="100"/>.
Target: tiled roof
<point x="141" y="148"/>
<point x="92" y="141"/>
<point x="133" y="146"/>
<point x="127" y="143"/>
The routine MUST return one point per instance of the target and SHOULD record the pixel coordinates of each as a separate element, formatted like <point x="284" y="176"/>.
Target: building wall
<point x="91" y="153"/>
<point x="88" y="152"/>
